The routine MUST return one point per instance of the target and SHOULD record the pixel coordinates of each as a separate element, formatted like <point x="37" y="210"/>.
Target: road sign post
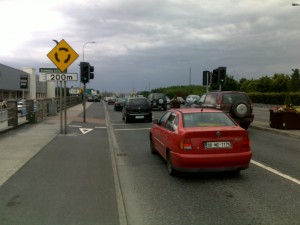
<point x="62" y="55"/>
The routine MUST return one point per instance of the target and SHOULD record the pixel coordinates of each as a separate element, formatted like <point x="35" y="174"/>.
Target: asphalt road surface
<point x="102" y="172"/>
<point x="256" y="196"/>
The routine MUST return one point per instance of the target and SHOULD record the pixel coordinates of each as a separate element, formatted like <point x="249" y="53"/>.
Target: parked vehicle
<point x="119" y="103"/>
<point x="136" y="109"/>
<point x="193" y="139"/>
<point x="158" y="101"/>
<point x="237" y="104"/>
<point x="21" y="105"/>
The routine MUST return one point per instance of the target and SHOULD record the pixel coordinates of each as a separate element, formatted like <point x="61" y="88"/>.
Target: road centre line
<point x="132" y="129"/>
<point x="275" y="172"/>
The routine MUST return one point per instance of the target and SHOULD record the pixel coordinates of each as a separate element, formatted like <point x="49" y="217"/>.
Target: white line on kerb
<point x="276" y="172"/>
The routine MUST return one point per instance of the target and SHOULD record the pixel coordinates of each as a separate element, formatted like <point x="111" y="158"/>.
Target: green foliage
<point x="274" y="98"/>
<point x="288" y="100"/>
<point x="294" y="84"/>
<point x="181" y="91"/>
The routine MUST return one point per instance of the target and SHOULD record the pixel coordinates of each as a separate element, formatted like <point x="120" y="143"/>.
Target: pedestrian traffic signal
<point x="222" y="75"/>
<point x="84" y="72"/>
<point x="91" y="72"/>
<point x="214" y="77"/>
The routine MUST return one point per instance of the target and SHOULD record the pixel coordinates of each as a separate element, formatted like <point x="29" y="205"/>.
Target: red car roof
<point x="195" y="110"/>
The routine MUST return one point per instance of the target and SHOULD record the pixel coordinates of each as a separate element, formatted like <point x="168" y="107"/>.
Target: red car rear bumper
<point x="210" y="162"/>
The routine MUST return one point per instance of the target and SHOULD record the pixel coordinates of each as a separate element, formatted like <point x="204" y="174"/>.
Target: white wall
<point x="32" y="82"/>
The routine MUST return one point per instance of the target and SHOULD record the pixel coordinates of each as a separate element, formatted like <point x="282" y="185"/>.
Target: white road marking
<point x="75" y="126"/>
<point x="133" y="129"/>
<point x="275" y="172"/>
<point x="85" y="130"/>
<point x="100" y="127"/>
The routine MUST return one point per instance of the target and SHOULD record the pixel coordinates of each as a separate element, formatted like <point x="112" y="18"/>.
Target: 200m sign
<point x="61" y="77"/>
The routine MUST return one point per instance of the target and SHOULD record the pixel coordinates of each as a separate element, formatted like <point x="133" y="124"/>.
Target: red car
<point x="195" y="139"/>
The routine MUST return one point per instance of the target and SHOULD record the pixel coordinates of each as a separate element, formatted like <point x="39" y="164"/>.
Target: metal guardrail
<point x="3" y="115"/>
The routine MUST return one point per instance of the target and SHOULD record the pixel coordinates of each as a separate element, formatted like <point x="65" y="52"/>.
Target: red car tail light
<point x="218" y="105"/>
<point x="185" y="144"/>
<point x="246" y="142"/>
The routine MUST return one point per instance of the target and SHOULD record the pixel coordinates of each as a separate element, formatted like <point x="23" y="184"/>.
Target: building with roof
<point x="23" y="83"/>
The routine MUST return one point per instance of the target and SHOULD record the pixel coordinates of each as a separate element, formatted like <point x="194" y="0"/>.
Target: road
<point x="256" y="196"/>
<point x="102" y="172"/>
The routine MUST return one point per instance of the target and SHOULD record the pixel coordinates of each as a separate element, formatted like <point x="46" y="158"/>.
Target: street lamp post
<point x="148" y="84"/>
<point x="89" y="42"/>
<point x="84" y="85"/>
<point x="190" y="70"/>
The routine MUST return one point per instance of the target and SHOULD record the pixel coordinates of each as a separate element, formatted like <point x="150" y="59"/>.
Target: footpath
<point x="19" y="145"/>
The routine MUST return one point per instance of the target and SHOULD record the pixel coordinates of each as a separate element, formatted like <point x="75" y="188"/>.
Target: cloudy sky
<point x="142" y="43"/>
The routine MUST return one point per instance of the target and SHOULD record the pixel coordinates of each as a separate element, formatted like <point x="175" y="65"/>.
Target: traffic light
<point x="91" y="72"/>
<point x="214" y="77"/>
<point x="84" y="72"/>
<point x="206" y="78"/>
<point x="222" y="75"/>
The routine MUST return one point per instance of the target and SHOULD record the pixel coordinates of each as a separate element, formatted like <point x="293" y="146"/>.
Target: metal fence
<point x="33" y="110"/>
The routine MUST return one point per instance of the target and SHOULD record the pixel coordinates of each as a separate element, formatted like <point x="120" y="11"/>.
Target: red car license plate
<point x="218" y="144"/>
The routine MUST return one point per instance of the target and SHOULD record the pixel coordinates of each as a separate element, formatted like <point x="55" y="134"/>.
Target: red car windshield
<point x="206" y="119"/>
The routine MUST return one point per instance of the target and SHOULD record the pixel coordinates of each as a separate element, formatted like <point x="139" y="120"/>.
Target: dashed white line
<point x="275" y="172"/>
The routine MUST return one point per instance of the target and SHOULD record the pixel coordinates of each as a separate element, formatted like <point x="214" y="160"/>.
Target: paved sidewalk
<point x="19" y="145"/>
<point x="265" y="126"/>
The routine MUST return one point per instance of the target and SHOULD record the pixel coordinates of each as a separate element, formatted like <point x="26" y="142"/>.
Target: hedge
<point x="274" y="98"/>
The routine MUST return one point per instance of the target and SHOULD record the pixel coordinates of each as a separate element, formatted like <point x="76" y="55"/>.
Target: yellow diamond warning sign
<point x="62" y="55"/>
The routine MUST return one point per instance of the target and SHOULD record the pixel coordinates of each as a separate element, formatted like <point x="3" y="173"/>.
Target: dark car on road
<point x="136" y="109"/>
<point x="237" y="104"/>
<point x="158" y="101"/>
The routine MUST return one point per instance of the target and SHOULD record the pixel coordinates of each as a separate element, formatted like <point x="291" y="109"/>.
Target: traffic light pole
<point x="207" y="81"/>
<point x="84" y="116"/>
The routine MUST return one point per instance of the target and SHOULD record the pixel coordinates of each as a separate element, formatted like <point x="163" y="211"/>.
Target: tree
<point x="248" y="85"/>
<point x="294" y="84"/>
<point x="264" y="84"/>
<point x="280" y="82"/>
<point x="231" y="84"/>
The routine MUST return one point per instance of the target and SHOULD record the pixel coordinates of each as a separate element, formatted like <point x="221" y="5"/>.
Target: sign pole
<point x="61" y="108"/>
<point x="65" y="105"/>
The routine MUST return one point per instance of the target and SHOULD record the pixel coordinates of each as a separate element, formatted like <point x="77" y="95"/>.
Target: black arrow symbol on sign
<point x="56" y="57"/>
<point x="67" y="60"/>
<point x="65" y="49"/>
